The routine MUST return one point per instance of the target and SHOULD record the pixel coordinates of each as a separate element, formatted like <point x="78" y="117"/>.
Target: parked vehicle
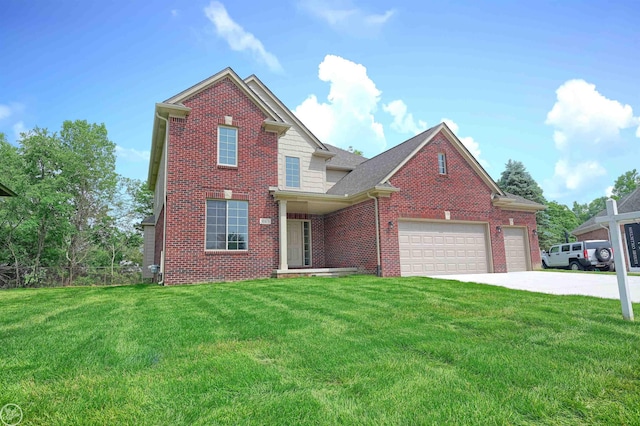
<point x="579" y="256"/>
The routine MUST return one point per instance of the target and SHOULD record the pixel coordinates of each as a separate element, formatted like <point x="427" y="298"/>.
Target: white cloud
<point x="576" y="176"/>
<point x="609" y="191"/>
<point x="582" y="112"/>
<point x="19" y="128"/>
<point x="403" y="122"/>
<point x="467" y="141"/>
<point x="347" y="119"/>
<point x="5" y="111"/>
<point x="12" y="109"/>
<point x="132" y="154"/>
<point x="342" y="15"/>
<point x="237" y="38"/>
<point x="585" y="124"/>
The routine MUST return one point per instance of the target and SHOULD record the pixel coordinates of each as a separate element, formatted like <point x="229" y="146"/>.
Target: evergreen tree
<point x="515" y="179"/>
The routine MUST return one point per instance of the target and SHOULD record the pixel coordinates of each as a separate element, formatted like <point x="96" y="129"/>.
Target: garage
<point x="437" y="248"/>
<point x="515" y="249"/>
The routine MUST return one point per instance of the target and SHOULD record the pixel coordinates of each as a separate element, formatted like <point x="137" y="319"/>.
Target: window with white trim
<point x="227" y="146"/>
<point x="292" y="172"/>
<point x="442" y="163"/>
<point x="227" y="225"/>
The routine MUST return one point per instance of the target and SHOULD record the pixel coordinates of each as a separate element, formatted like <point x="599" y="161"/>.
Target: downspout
<point x="379" y="267"/>
<point x="164" y="186"/>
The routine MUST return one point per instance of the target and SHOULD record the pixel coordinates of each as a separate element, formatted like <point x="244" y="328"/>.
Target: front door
<point x="294" y="243"/>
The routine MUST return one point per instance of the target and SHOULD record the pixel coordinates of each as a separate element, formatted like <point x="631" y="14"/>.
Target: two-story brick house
<point x="244" y="190"/>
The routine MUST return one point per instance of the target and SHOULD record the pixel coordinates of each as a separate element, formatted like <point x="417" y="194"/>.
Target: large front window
<point x="227" y="146"/>
<point x="227" y="225"/>
<point x="292" y="172"/>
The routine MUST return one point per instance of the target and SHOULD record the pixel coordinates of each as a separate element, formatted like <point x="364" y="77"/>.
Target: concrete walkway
<point x="598" y="285"/>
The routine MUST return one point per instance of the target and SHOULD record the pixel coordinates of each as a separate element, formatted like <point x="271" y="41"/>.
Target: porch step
<point x="315" y="272"/>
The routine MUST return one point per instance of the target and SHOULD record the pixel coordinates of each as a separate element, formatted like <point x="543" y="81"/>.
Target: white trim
<point x="286" y="174"/>
<point x="226" y="226"/>
<point x="287" y="111"/>
<point x="442" y="168"/>
<point x="220" y="126"/>
<point x="227" y="72"/>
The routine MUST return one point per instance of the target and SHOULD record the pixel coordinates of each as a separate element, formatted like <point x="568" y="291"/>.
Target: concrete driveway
<point x="598" y="285"/>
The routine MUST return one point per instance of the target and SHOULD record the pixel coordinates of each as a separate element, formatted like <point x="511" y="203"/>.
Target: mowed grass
<point x="356" y="350"/>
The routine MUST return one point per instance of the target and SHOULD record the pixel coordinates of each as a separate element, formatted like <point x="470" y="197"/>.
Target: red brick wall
<point x="350" y="238"/>
<point x="317" y="242"/>
<point x="193" y="177"/>
<point x="598" y="234"/>
<point x="424" y="193"/>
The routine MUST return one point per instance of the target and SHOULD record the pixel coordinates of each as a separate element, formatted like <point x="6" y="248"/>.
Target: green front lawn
<point x="357" y="350"/>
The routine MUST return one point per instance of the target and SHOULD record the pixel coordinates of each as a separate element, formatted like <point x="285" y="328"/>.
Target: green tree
<point x="89" y="173"/>
<point x="516" y="179"/>
<point x="561" y="220"/>
<point x="587" y="210"/>
<point x="625" y="184"/>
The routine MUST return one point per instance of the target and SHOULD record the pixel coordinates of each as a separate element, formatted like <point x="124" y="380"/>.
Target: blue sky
<point x="552" y="84"/>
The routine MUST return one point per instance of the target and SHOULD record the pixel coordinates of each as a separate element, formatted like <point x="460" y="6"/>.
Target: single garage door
<point x="515" y="249"/>
<point x="442" y="248"/>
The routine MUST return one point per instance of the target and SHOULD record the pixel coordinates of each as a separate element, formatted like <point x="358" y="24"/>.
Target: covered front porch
<point x="313" y="238"/>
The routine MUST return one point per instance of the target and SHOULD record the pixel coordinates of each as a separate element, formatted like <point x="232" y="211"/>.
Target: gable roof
<point x="378" y="170"/>
<point x="627" y="204"/>
<point x="289" y="115"/>
<point x="6" y="192"/>
<point x="231" y="74"/>
<point x="174" y="107"/>
<point x="343" y="159"/>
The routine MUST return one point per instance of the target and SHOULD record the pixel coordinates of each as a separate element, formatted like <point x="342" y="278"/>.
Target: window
<point x="554" y="249"/>
<point x="292" y="172"/>
<point x="442" y="163"/>
<point x="227" y="225"/>
<point x="227" y="146"/>
<point x="576" y="247"/>
<point x="565" y="248"/>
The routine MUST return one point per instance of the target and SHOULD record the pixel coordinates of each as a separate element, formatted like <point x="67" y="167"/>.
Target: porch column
<point x="283" y="235"/>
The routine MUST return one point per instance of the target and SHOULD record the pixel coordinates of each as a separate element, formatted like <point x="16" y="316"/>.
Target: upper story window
<point x="227" y="146"/>
<point x="442" y="163"/>
<point x="227" y="225"/>
<point x="292" y="172"/>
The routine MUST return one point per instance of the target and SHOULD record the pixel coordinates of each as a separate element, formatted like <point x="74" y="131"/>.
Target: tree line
<point x="558" y="218"/>
<point x="72" y="210"/>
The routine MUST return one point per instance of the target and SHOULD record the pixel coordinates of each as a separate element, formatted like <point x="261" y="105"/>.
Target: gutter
<point x="166" y="207"/>
<point x="379" y="267"/>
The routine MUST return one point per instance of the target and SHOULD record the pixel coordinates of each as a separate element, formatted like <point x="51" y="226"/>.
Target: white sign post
<point x="614" y="220"/>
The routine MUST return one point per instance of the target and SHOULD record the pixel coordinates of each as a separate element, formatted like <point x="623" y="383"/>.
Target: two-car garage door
<point x="442" y="248"/>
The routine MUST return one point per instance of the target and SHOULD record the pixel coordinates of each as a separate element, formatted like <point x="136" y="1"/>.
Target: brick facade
<point x="425" y="194"/>
<point x="350" y="238"/>
<point x="193" y="177"/>
<point x="344" y="238"/>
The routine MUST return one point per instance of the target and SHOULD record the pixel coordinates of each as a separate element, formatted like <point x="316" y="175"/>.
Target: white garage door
<point x="428" y="248"/>
<point x="515" y="249"/>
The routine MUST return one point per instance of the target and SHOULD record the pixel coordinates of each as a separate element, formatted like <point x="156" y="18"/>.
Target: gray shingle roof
<point x="521" y="199"/>
<point x="627" y="204"/>
<point x="371" y="172"/>
<point x="149" y="220"/>
<point x="344" y="158"/>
